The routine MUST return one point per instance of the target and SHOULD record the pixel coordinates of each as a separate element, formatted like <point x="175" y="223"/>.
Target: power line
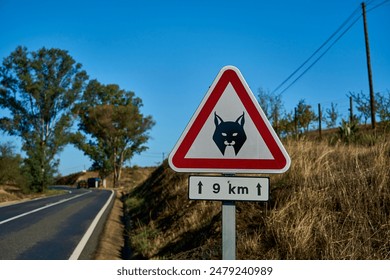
<point x="377" y="6"/>
<point x="325" y="43"/>
<point x="315" y="61"/>
<point x="369" y="2"/>
<point x="316" y="51"/>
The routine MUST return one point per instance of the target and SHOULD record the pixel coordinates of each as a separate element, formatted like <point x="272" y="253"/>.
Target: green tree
<point x="362" y="104"/>
<point x="383" y="106"/>
<point x="332" y="115"/>
<point x="287" y="125"/>
<point x="112" y="127"/>
<point x="10" y="164"/>
<point x="272" y="106"/>
<point x="39" y="89"/>
<point x="305" y="115"/>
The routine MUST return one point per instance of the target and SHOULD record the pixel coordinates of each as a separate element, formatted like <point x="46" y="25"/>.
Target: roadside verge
<point x="86" y="247"/>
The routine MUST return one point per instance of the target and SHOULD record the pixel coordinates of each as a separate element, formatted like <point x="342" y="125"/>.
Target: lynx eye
<point x="224" y="134"/>
<point x="235" y="134"/>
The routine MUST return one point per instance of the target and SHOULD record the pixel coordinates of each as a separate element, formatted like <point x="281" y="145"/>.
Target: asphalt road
<point x="52" y="228"/>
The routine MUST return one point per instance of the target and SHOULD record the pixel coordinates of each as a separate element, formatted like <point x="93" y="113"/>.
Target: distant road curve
<point x="54" y="228"/>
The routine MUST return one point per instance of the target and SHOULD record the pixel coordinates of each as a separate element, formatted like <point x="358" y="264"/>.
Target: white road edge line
<point x="80" y="247"/>
<point x="41" y="208"/>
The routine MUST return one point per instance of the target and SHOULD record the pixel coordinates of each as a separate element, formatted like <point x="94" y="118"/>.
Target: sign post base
<point x="228" y="230"/>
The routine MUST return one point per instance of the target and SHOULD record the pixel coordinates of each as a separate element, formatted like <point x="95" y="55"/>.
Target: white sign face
<point x="229" y="133"/>
<point x="229" y="109"/>
<point x="229" y="188"/>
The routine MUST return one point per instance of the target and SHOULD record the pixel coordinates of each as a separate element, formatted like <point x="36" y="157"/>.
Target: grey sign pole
<point x="228" y="230"/>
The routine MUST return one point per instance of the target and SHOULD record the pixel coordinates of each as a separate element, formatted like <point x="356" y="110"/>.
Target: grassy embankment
<point x="333" y="203"/>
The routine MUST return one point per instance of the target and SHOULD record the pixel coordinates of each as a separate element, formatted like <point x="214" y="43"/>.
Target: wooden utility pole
<point x="372" y="98"/>
<point x="350" y="110"/>
<point x="319" y="120"/>
<point x="296" y="121"/>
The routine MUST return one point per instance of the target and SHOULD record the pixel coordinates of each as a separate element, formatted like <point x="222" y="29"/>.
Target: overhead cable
<point x="376" y="6"/>
<point x="316" y="51"/>
<point x="315" y="61"/>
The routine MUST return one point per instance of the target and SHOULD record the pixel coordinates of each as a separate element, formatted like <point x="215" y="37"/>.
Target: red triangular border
<point x="279" y="163"/>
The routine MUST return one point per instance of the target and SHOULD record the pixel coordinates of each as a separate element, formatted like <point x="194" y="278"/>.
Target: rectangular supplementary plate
<point x="229" y="188"/>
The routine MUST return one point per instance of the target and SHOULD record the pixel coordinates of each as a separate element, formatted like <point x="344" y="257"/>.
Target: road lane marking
<point x="42" y="208"/>
<point x="83" y="242"/>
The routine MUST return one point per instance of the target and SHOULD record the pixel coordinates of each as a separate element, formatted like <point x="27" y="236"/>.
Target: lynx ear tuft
<point x="242" y="121"/>
<point x="217" y="119"/>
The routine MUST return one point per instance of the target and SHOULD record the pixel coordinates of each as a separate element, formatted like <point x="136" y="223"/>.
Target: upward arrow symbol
<point x="200" y="187"/>
<point x="258" y="189"/>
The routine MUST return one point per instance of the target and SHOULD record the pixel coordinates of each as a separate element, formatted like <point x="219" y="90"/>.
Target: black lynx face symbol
<point x="229" y="133"/>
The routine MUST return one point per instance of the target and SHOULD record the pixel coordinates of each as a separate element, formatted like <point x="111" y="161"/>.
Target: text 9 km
<point x="231" y="188"/>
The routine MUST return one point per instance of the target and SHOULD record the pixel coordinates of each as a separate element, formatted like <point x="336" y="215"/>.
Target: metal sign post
<point x="229" y="189"/>
<point x="228" y="230"/>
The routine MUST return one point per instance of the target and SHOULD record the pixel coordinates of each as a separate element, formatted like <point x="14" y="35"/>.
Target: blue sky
<point x="169" y="52"/>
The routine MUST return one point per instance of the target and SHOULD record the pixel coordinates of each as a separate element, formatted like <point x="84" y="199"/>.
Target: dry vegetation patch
<point x="163" y="223"/>
<point x="11" y="194"/>
<point x="333" y="203"/>
<point x="337" y="206"/>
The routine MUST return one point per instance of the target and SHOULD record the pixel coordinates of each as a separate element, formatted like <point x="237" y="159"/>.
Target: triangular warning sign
<point x="229" y="133"/>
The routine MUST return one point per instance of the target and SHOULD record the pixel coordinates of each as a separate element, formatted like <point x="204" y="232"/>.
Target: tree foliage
<point x="272" y="106"/>
<point x="10" y="164"/>
<point x="305" y="115"/>
<point x="112" y="127"/>
<point x="332" y="115"/>
<point x="39" y="89"/>
<point x="362" y="102"/>
<point x="382" y="105"/>
<point x="287" y="125"/>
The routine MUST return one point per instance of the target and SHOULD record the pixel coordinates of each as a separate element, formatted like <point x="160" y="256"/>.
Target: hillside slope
<point x="164" y="223"/>
<point x="333" y="203"/>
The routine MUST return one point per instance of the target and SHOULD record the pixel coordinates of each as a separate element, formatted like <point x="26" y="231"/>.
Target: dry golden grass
<point x="161" y="216"/>
<point x="11" y="194"/>
<point x="333" y="203"/>
<point x="338" y="204"/>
